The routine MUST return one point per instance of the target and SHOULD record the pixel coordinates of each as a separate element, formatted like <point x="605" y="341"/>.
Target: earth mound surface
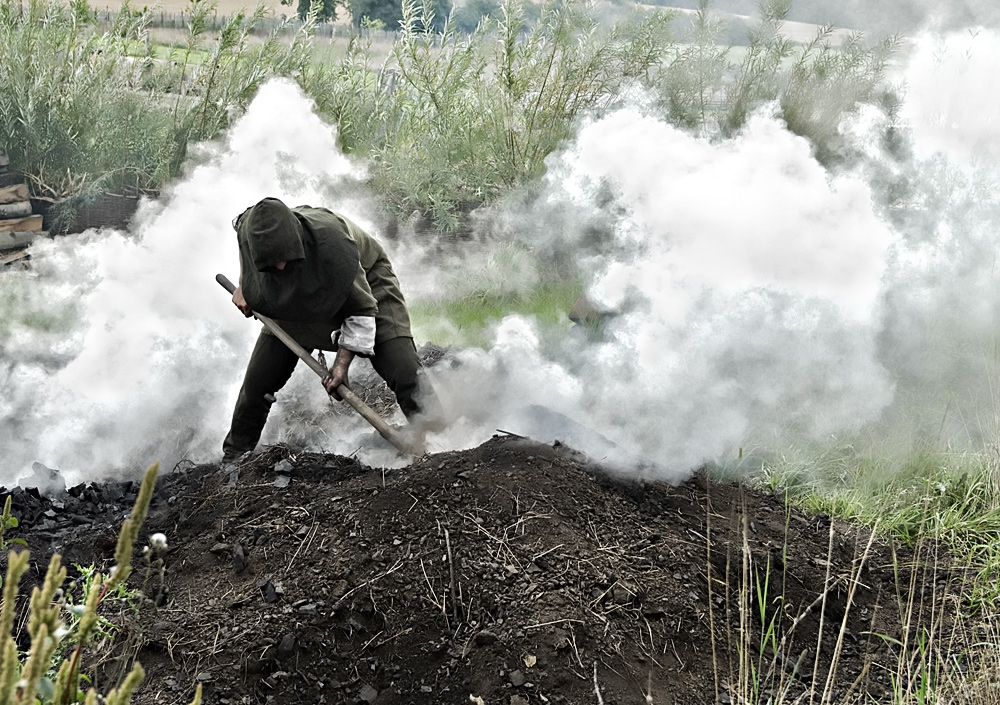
<point x="513" y="573"/>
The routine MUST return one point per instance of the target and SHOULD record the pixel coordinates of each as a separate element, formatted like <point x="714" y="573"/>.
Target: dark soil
<point x="509" y="574"/>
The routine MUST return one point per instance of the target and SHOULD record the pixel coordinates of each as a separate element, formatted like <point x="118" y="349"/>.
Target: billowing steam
<point x="746" y="284"/>
<point x="148" y="352"/>
<point x="756" y="294"/>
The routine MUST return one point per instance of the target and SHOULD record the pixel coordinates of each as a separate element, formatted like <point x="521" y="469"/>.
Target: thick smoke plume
<point x="745" y="282"/>
<point x="757" y="296"/>
<point x="146" y="351"/>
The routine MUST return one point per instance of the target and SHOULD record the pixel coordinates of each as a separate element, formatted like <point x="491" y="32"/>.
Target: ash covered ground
<point x="516" y="572"/>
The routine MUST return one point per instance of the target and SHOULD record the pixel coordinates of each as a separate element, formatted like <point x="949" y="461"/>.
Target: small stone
<point x="239" y="558"/>
<point x="339" y="589"/>
<point x="287" y="646"/>
<point x="368" y="694"/>
<point x="517" y="700"/>
<point x="307" y="609"/>
<point x="282" y="481"/>
<point x="203" y="677"/>
<point x="220" y="548"/>
<point x="485" y="638"/>
<point x="517" y="678"/>
<point x="267" y="590"/>
<point x="621" y="595"/>
<point x="283" y="467"/>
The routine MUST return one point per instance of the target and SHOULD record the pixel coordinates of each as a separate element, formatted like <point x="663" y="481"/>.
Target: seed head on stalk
<point x="130" y="529"/>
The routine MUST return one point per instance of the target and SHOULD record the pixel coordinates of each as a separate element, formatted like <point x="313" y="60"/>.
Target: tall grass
<point x="85" y="111"/>
<point x="813" y="86"/>
<point x="467" y="117"/>
<point x="448" y="121"/>
<point x="73" y="114"/>
<point x="941" y="652"/>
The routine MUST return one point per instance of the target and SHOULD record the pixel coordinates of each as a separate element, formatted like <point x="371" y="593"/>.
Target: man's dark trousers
<point x="271" y="365"/>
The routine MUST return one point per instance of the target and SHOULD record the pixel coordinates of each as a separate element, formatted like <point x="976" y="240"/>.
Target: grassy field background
<point x="224" y="8"/>
<point x="796" y="31"/>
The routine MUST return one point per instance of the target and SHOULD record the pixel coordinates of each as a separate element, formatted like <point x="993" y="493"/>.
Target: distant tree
<point x="326" y="10"/>
<point x="470" y="14"/>
<point x="390" y="12"/>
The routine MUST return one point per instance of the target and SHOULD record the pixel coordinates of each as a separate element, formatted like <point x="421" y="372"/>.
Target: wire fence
<point x="267" y="25"/>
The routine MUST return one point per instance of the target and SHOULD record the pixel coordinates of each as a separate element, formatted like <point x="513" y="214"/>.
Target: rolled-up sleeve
<point x="357" y="334"/>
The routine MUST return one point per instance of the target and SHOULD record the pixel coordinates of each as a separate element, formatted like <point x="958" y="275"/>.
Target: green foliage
<point x="389" y="14"/>
<point x="826" y="84"/>
<point x="472" y="12"/>
<point x="489" y="294"/>
<point x="222" y="85"/>
<point x="84" y="112"/>
<point x="325" y="10"/>
<point x="70" y="113"/>
<point x="692" y="81"/>
<point x="474" y="116"/>
<point x="30" y="680"/>
<point x="8" y="521"/>
<point x="814" y="86"/>
<point x="450" y="121"/>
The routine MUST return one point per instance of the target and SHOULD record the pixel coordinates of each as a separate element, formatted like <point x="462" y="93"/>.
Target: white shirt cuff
<point x="357" y="334"/>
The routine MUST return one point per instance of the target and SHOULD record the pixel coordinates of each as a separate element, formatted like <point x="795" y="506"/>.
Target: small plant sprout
<point x="8" y="521"/>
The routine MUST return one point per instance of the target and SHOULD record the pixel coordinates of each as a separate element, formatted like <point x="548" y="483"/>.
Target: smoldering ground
<point x="760" y="296"/>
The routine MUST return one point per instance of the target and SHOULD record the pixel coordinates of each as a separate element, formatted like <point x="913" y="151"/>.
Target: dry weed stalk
<point x="22" y="683"/>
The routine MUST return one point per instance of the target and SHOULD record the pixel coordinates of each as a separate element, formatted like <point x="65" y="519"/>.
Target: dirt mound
<point x="513" y="573"/>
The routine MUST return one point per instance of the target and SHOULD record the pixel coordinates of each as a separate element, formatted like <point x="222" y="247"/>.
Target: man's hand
<point x="338" y="373"/>
<point x="241" y="303"/>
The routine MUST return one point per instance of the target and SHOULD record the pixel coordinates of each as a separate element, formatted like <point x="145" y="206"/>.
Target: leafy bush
<point x="815" y="85"/>
<point x="389" y="13"/>
<point x="473" y="116"/>
<point x="44" y="676"/>
<point x="450" y="121"/>
<point x="70" y="113"/>
<point x="84" y="112"/>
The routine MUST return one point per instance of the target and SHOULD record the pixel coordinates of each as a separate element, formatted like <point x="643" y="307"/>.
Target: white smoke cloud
<point x="764" y="296"/>
<point x="757" y="293"/>
<point x="149" y="363"/>
<point x="747" y="280"/>
<point x="951" y="104"/>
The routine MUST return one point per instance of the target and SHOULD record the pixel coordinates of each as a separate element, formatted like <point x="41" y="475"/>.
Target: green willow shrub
<point x="475" y="115"/>
<point x="28" y="680"/>
<point x="815" y="85"/>
<point x="446" y="121"/>
<point x="71" y="117"/>
<point x="85" y="111"/>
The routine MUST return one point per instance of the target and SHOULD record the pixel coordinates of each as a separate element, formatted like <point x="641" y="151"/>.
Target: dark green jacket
<point x="374" y="291"/>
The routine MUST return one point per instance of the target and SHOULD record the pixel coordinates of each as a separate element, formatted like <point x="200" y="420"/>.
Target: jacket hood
<point x="272" y="233"/>
<point x="326" y="262"/>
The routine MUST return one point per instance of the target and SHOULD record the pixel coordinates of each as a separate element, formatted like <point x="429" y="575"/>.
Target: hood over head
<point x="272" y="232"/>
<point x="323" y="257"/>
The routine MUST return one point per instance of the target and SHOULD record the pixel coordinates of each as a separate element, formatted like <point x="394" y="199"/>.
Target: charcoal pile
<point x="514" y="573"/>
